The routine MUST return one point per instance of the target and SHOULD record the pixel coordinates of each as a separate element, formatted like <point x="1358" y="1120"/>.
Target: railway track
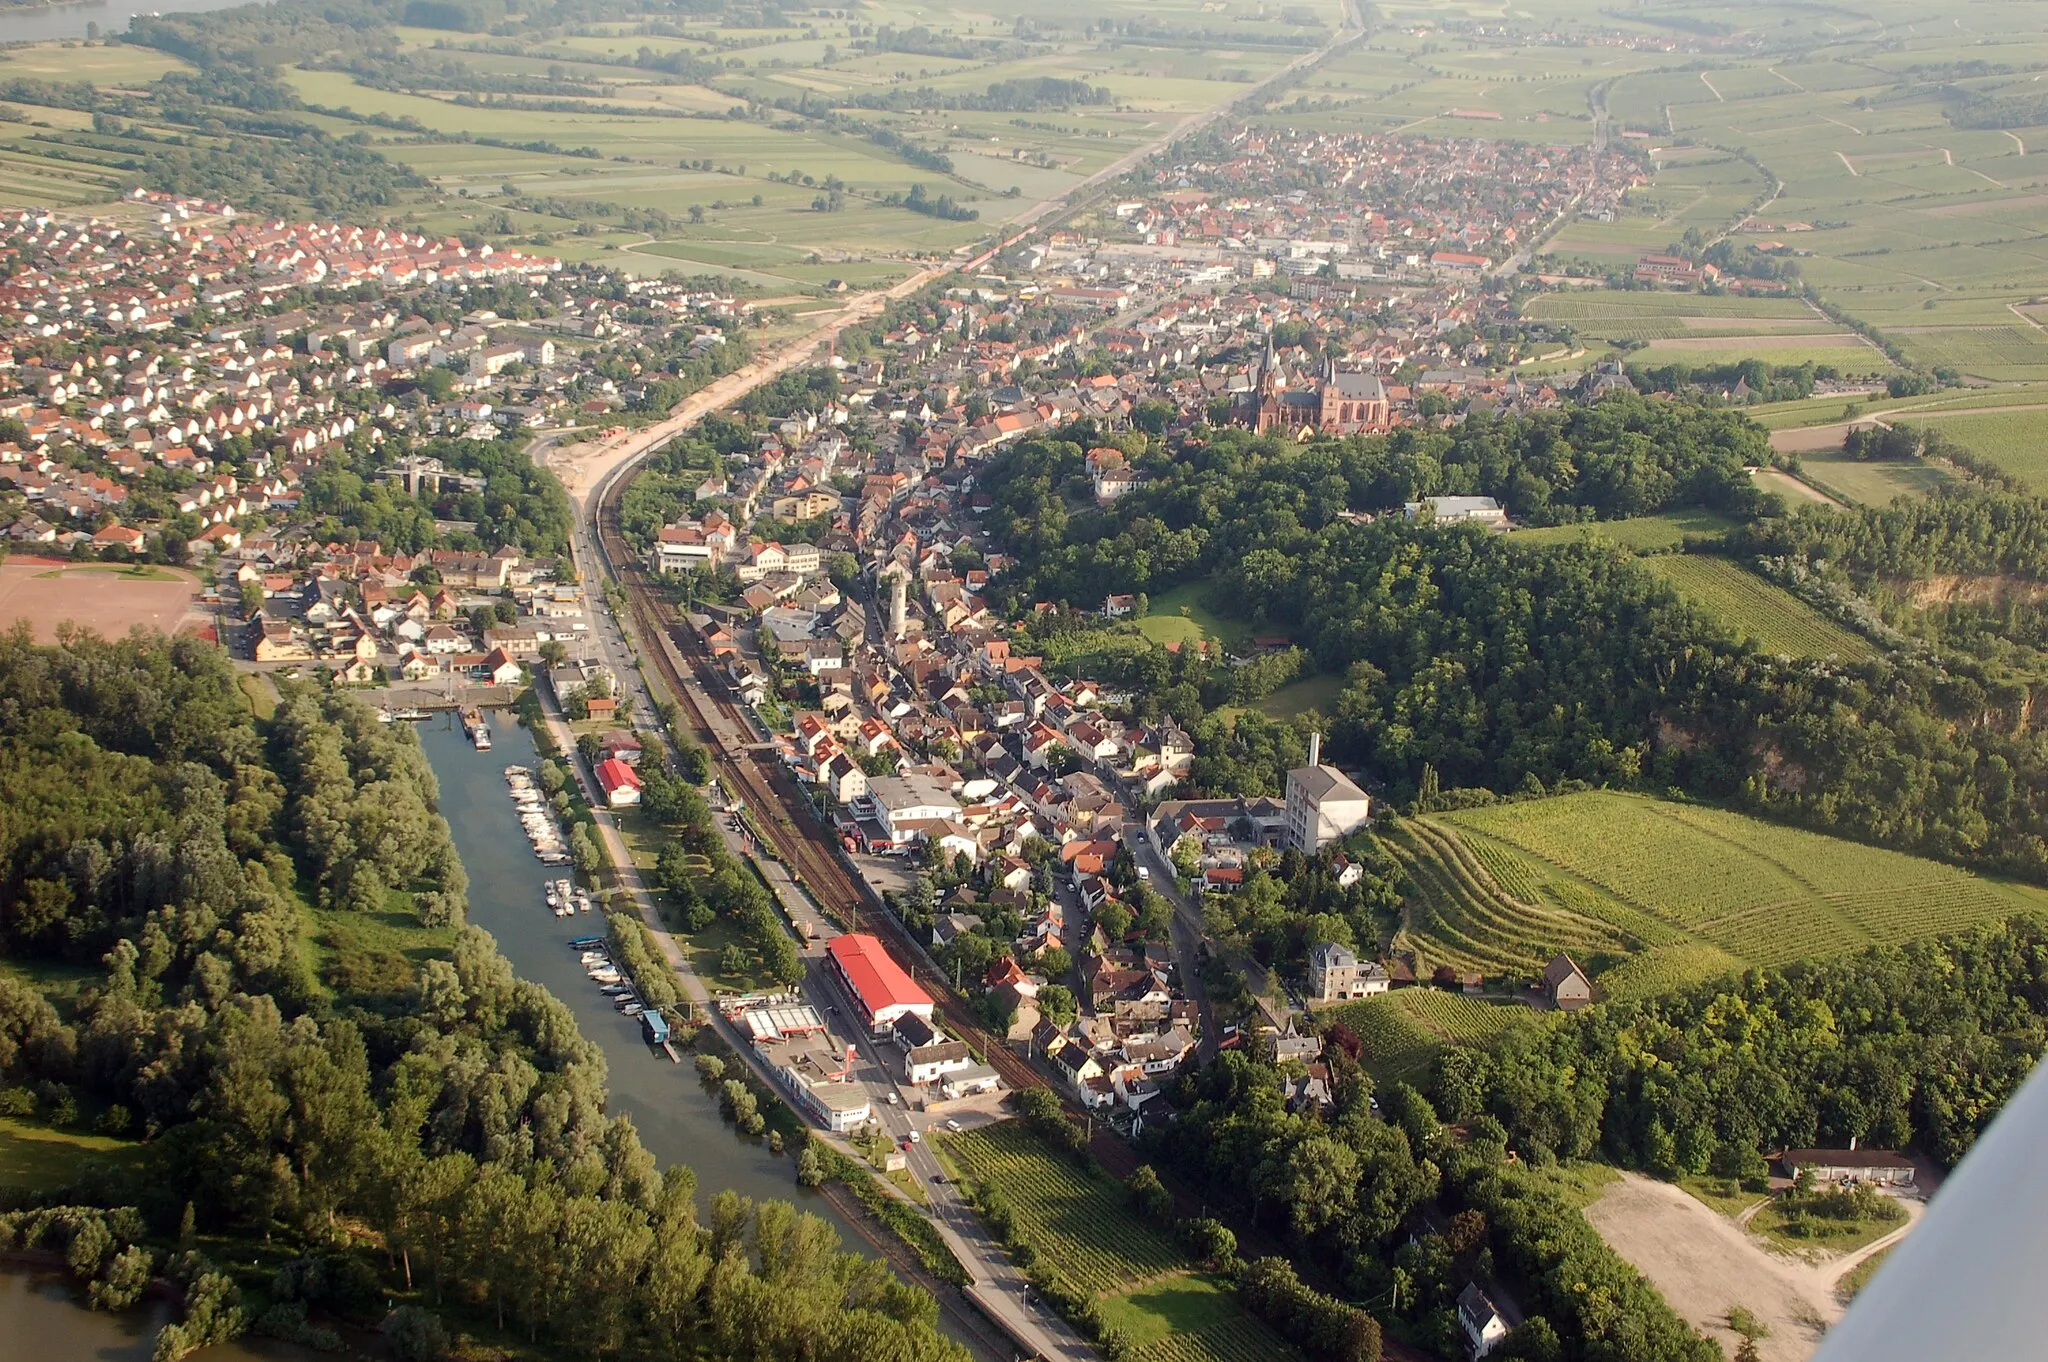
<point x="773" y="795"/>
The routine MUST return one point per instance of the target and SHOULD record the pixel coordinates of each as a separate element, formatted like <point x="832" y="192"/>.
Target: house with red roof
<point x="620" y="782"/>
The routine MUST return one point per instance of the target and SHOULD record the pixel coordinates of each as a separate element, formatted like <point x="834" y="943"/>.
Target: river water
<point x="41" y="1318"/>
<point x="24" y="25"/>
<point x="678" y="1120"/>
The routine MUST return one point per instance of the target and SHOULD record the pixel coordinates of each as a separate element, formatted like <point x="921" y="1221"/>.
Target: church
<point x="1337" y="402"/>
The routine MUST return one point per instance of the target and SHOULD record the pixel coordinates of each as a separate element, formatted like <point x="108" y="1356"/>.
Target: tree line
<point x="158" y="835"/>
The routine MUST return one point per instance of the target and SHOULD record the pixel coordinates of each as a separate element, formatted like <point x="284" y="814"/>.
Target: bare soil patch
<point x="46" y="593"/>
<point x="1704" y="1263"/>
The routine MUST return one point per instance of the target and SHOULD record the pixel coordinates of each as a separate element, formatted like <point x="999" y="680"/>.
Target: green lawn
<point x="1721" y="1195"/>
<point x="1187" y="614"/>
<point x="42" y="1159"/>
<point x="1828" y="1236"/>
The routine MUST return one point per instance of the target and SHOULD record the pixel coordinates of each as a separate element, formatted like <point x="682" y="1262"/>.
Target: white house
<point x="1482" y="1323"/>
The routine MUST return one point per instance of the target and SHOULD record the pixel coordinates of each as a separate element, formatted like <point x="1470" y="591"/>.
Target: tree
<point x="1056" y="1004"/>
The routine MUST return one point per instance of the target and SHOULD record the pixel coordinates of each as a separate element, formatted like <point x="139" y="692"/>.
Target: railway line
<point x="773" y="796"/>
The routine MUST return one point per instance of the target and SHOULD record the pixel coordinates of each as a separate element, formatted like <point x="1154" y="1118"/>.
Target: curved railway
<point x="772" y="795"/>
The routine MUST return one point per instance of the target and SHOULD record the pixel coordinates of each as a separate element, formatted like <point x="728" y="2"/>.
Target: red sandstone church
<point x="1338" y="402"/>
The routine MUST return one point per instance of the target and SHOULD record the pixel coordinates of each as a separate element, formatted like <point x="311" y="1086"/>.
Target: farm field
<point x="1766" y="615"/>
<point x="1082" y="1227"/>
<point x="2016" y="441"/>
<point x="1697" y="330"/>
<point x="1645" y="534"/>
<point x="1871" y="482"/>
<point x="1667" y="874"/>
<point x="1404" y="1030"/>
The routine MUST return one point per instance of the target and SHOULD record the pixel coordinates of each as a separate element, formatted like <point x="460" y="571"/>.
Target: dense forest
<point x="1472" y="660"/>
<point x="1214" y="501"/>
<point x="429" y="1128"/>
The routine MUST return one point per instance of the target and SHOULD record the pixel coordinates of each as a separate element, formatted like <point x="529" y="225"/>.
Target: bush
<point x="415" y="1334"/>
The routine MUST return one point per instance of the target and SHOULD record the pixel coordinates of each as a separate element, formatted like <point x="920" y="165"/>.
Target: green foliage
<point x="1908" y="1045"/>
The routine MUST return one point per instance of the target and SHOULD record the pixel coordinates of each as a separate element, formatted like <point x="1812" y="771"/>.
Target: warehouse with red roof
<point x="878" y="985"/>
<point x="621" y="782"/>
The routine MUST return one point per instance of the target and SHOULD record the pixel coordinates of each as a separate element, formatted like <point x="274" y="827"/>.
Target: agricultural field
<point x="1872" y="482"/>
<point x="1403" y="1031"/>
<point x="1766" y="615"/>
<point x="1696" y="330"/>
<point x="2016" y="441"/>
<point x="1082" y="1226"/>
<point x="1662" y="875"/>
<point x="1645" y="534"/>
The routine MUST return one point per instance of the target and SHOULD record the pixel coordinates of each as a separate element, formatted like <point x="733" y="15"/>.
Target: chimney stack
<point x="1315" y="749"/>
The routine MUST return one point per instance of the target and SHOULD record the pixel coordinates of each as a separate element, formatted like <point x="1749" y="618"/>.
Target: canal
<point x="678" y="1120"/>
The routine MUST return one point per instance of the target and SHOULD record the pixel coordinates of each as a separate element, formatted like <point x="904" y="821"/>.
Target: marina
<point x="543" y="831"/>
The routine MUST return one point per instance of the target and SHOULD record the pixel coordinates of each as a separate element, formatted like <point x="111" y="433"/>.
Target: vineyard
<point x="2016" y="441"/>
<point x="1645" y="534"/>
<point x="1082" y="1224"/>
<point x="1671" y="875"/>
<point x="1597" y="307"/>
<point x="1403" y="1031"/>
<point x="1768" y="616"/>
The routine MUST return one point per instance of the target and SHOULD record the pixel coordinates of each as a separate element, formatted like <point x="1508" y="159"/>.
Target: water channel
<point x="23" y="24"/>
<point x="678" y="1121"/>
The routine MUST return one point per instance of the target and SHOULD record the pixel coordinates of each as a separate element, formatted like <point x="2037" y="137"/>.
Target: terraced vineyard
<point x="1403" y="1031"/>
<point x="1671" y="878"/>
<point x="1082" y="1225"/>
<point x="1769" y="616"/>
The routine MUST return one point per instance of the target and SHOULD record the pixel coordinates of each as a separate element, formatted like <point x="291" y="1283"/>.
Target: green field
<point x="1083" y="1227"/>
<point x="1404" y="1030"/>
<point x="41" y="1159"/>
<point x="1766" y="615"/>
<point x="1659" y="875"/>
<point x="1186" y="614"/>
<point x="1871" y="482"/>
<point x="2016" y="441"/>
<point x="1645" y="534"/>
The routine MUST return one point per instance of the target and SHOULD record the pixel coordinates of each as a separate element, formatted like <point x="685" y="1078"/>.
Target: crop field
<point x="1082" y="1225"/>
<point x="2016" y="441"/>
<point x="1645" y="534"/>
<point x="1766" y="615"/>
<point x="1404" y="1030"/>
<point x="1682" y="875"/>
<point x="1873" y="482"/>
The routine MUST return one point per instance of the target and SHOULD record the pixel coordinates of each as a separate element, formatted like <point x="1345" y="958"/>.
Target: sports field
<point x="104" y="598"/>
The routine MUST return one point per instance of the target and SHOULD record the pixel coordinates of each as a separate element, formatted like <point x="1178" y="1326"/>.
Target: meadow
<point x="1081" y="1225"/>
<point x="1766" y="615"/>
<point x="1871" y="482"/>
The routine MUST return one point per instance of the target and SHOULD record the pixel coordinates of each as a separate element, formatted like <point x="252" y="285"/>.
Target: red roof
<point x="614" y="774"/>
<point x="878" y="980"/>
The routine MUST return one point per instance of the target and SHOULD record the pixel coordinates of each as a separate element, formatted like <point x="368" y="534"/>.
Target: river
<point x="24" y="24"/>
<point x="678" y="1120"/>
<point x="41" y="1317"/>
